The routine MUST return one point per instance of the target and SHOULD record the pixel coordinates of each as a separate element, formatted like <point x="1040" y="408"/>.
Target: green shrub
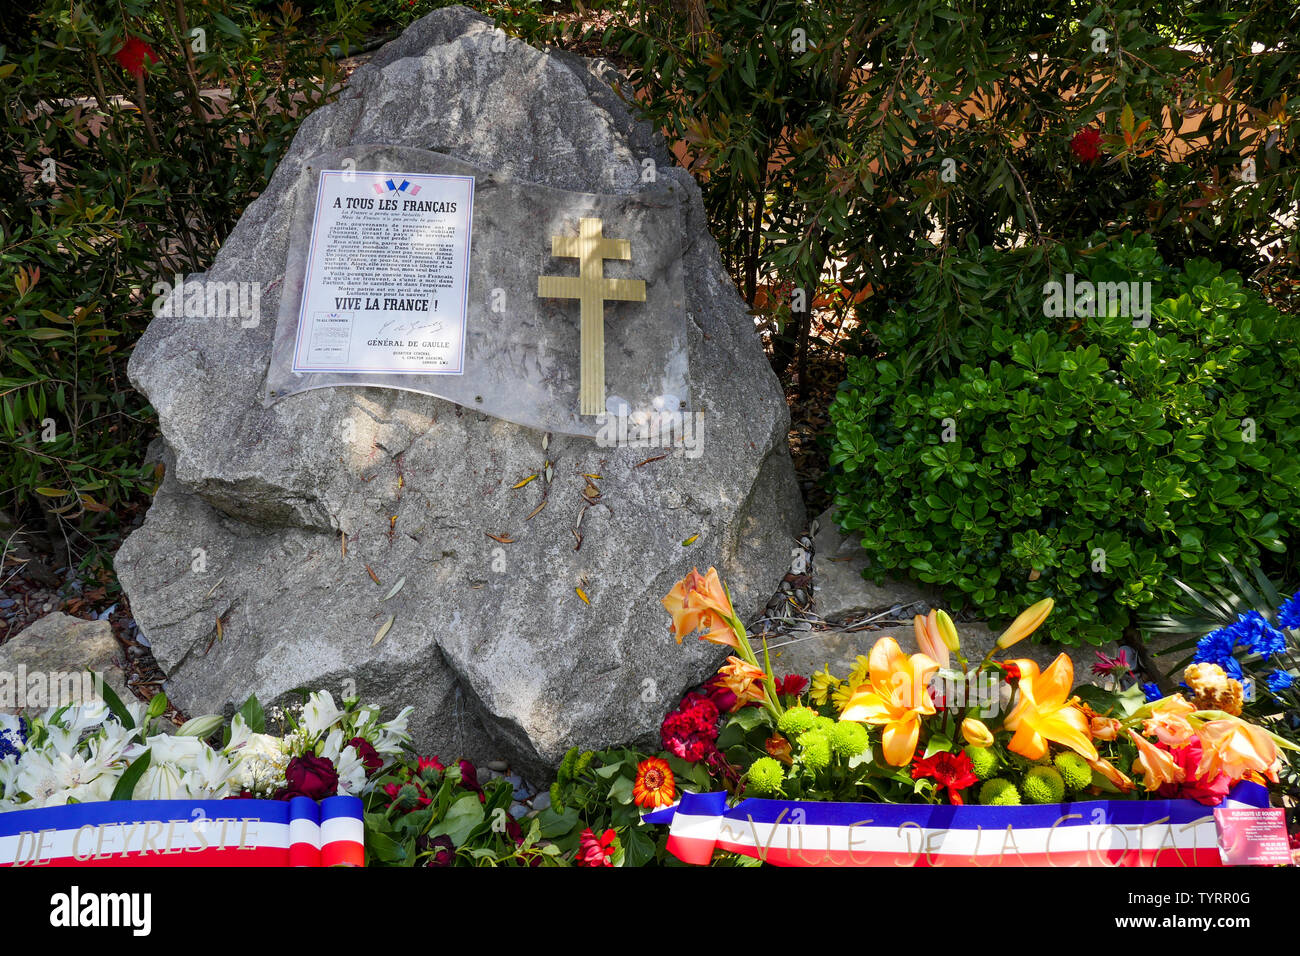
<point x="1087" y="460"/>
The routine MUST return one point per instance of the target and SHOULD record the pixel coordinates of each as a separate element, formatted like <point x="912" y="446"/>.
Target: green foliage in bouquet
<point x="1087" y="459"/>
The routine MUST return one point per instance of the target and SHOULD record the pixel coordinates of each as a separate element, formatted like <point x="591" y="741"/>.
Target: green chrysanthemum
<point x="815" y="748"/>
<point x="796" y="720"/>
<point x="848" y="739"/>
<point x="824" y="724"/>
<point x="1043" y="785"/>
<point x="766" y="776"/>
<point x="999" y="793"/>
<point x="1074" y="770"/>
<point x="983" y="761"/>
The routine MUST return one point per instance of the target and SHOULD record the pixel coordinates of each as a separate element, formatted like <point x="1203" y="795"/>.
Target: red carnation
<point x="953" y="771"/>
<point x="1012" y="671"/>
<point x="1086" y="144"/>
<point x="791" y="685"/>
<point x="132" y="54"/>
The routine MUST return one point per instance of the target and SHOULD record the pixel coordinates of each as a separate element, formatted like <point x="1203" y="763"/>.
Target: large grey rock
<point x="490" y="641"/>
<point x="50" y="657"/>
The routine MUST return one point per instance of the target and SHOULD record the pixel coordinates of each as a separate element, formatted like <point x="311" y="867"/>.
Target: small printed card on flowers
<point x="297" y="832"/>
<point x="1252" y="836"/>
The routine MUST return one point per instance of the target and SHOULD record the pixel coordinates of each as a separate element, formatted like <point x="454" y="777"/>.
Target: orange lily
<point x="1045" y="714"/>
<point x="779" y="749"/>
<point x="1174" y="704"/>
<point x="897" y="697"/>
<point x="1169" y="723"/>
<point x="700" y="602"/>
<point x="1157" y="766"/>
<point x="1112" y="773"/>
<point x="744" y="680"/>
<point x="928" y="639"/>
<point x="1235" y="747"/>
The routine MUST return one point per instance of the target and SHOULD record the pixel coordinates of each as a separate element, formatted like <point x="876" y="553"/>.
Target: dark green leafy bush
<point x="1087" y="460"/>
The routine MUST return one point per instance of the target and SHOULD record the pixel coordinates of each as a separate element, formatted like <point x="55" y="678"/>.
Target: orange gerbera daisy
<point x="654" y="787"/>
<point x="699" y="602"/>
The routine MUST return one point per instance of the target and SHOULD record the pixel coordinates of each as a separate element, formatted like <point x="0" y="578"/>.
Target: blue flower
<point x="1260" y="636"/>
<point x="1288" y="615"/>
<point x="1250" y="632"/>
<point x="1279" y="681"/>
<point x="1152" y="691"/>
<point x="12" y="740"/>
<point x="1216" y="648"/>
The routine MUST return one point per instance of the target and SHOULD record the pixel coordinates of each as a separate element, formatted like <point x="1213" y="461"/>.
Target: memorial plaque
<point x="387" y="274"/>
<point x="553" y="309"/>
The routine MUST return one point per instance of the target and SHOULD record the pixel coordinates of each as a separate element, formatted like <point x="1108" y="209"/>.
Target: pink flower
<point x="1107" y="666"/>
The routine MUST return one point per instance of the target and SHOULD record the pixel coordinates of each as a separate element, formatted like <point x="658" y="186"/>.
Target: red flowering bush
<point x="132" y="54"/>
<point x="1086" y="144"/>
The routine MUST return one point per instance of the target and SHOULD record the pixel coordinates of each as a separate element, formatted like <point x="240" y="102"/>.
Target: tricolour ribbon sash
<point x="297" y="832"/>
<point x="1089" y="833"/>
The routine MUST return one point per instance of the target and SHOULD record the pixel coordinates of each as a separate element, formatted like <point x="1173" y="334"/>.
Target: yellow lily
<point x="897" y="697"/>
<point x="1026" y="623"/>
<point x="1044" y="712"/>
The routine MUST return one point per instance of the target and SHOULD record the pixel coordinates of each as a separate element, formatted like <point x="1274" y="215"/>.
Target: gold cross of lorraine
<point x="591" y="289"/>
